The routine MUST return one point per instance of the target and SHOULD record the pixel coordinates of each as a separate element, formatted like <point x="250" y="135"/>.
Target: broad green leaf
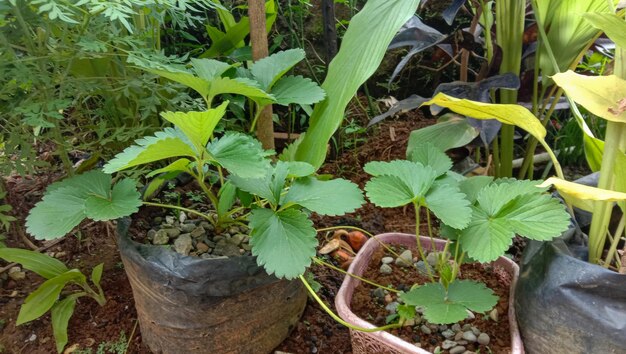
<point x="270" y="69"/>
<point x="181" y="165"/>
<point x="449" y="205"/>
<point x="41" y="300"/>
<point x="123" y="200"/>
<point x="227" y="196"/>
<point x="335" y="197"/>
<point x="398" y="182"/>
<point x="486" y="238"/>
<point x="297" y="89"/>
<point x="493" y="197"/>
<point x="568" y="33"/>
<point x="445" y="135"/>
<point x="471" y="186"/>
<point x="162" y="145"/>
<point x="197" y="126"/>
<point x="506" y="113"/>
<point x="47" y="220"/>
<point x="429" y="155"/>
<point x="231" y="40"/>
<point x="406" y="311"/>
<point x="96" y="273"/>
<point x="42" y="264"/>
<point x="389" y="192"/>
<point x="185" y="78"/>
<point x="282" y="241"/>
<point x="299" y="169"/>
<point x="473" y="295"/>
<point x="538" y="217"/>
<point x="604" y="96"/>
<point x="260" y="187"/>
<point x="61" y="313"/>
<point x="611" y="24"/>
<point x="239" y="86"/>
<point x="240" y="154"/>
<point x="449" y="306"/>
<point x="209" y="69"/>
<point x="363" y="48"/>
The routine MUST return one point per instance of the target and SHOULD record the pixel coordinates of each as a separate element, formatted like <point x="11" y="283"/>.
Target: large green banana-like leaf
<point x="567" y="30"/>
<point x="362" y="50"/>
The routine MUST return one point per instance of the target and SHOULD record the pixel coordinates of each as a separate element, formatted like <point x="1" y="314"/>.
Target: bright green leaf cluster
<point x="282" y="236"/>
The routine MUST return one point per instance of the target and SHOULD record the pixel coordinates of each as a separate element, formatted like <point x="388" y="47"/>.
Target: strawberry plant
<point x="479" y="216"/>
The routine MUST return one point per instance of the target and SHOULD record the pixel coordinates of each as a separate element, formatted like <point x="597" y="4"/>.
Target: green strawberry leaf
<point x="269" y="187"/>
<point x="447" y="202"/>
<point x="123" y="200"/>
<point x="538" y="217"/>
<point x="473" y="185"/>
<point x="486" y="238"/>
<point x="209" y="69"/>
<point x="180" y="165"/>
<point x="429" y="155"/>
<point x="334" y="197"/>
<point x="405" y="181"/>
<point x="197" y="84"/>
<point x="299" y="169"/>
<point x="197" y="126"/>
<point x="297" y="89"/>
<point x="239" y="86"/>
<point x="80" y="197"/>
<point x="269" y="69"/>
<point x="240" y="154"/>
<point x="449" y="306"/>
<point x="165" y="144"/>
<point x="283" y="241"/>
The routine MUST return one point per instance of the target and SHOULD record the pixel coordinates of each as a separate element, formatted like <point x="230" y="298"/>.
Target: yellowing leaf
<point x="600" y="95"/>
<point x="505" y="113"/>
<point x="581" y="192"/>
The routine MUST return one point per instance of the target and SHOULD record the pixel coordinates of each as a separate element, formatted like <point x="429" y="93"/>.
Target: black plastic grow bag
<point x="566" y="305"/>
<point x="191" y="305"/>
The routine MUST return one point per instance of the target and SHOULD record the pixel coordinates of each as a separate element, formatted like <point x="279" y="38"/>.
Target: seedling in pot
<point x="479" y="217"/>
<point x="279" y="195"/>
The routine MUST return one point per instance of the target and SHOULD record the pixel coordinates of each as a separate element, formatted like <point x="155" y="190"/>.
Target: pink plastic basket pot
<point x="384" y="342"/>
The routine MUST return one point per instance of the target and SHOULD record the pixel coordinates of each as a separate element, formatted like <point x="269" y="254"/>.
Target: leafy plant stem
<point x="345" y="227"/>
<point x="602" y="211"/>
<point x="615" y="242"/>
<point x="326" y="264"/>
<point x="190" y="211"/>
<point x="420" y="250"/>
<point x="337" y="318"/>
<point x="257" y="114"/>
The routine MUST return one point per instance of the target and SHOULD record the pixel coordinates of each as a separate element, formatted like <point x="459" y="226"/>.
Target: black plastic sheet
<point x="566" y="305"/>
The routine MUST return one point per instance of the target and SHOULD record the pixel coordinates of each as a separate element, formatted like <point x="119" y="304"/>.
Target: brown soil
<point x="94" y="243"/>
<point x="366" y="306"/>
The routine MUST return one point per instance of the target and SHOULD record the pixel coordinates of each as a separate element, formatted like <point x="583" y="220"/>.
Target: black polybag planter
<point x="192" y="305"/>
<point x="566" y="305"/>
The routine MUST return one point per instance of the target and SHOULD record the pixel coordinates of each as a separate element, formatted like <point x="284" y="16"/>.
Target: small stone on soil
<point x="456" y="327"/>
<point x="224" y="248"/>
<point x="470" y="315"/>
<point x="469" y="336"/>
<point x="467" y="327"/>
<point x="447" y="344"/>
<point x="494" y="315"/>
<point x="16" y="274"/>
<point x="183" y="244"/>
<point x="151" y="234"/>
<point x="378" y="293"/>
<point x="198" y="232"/>
<point x="448" y="333"/>
<point x="476" y="331"/>
<point x="237" y="239"/>
<point x="431" y="259"/>
<point x="457" y="350"/>
<point x="202" y="247"/>
<point x="387" y="260"/>
<point x="169" y="220"/>
<point x="173" y="232"/>
<point x="425" y="329"/>
<point x="385" y="269"/>
<point x="160" y="238"/>
<point x="392" y="307"/>
<point x="484" y="339"/>
<point x="207" y="226"/>
<point x="187" y="228"/>
<point x="405" y="259"/>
